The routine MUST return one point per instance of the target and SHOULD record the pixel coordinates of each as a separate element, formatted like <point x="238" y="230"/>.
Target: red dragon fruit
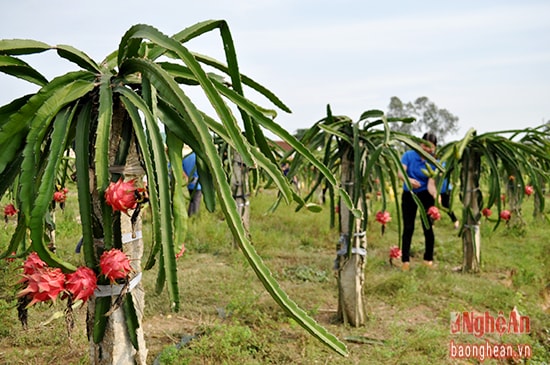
<point x="43" y="285"/>
<point x="59" y="196"/>
<point x="486" y="212"/>
<point x="121" y="195"/>
<point x="383" y="217"/>
<point x="81" y="283"/>
<point x="433" y="213"/>
<point x="529" y="190"/>
<point x="9" y="210"/>
<point x="395" y="253"/>
<point x="505" y="214"/>
<point x="114" y="264"/>
<point x="32" y="264"/>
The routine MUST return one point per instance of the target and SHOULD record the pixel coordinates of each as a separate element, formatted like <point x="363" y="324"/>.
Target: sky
<point x="486" y="62"/>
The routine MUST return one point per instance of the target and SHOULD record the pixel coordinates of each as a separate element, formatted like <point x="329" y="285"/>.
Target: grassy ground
<point x="226" y="316"/>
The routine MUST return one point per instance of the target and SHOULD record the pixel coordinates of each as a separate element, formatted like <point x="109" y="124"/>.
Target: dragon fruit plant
<point x="124" y="117"/>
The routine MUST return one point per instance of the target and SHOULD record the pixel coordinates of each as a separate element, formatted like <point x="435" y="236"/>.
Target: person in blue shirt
<point x="189" y="165"/>
<point x="424" y="188"/>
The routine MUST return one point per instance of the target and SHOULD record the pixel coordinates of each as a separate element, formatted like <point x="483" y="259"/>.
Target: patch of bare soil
<point x="165" y="330"/>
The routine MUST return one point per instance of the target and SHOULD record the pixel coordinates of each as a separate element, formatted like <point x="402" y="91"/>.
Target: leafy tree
<point x="109" y="112"/>
<point x="428" y="117"/>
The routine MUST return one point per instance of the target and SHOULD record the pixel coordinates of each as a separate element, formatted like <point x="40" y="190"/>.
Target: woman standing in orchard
<point x="420" y="185"/>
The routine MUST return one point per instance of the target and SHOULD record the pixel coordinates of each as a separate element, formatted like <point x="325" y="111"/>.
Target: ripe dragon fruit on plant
<point x="43" y="285"/>
<point x="59" y="196"/>
<point x="32" y="264"/>
<point x="433" y="213"/>
<point x="9" y="211"/>
<point x="121" y="195"/>
<point x="529" y="190"/>
<point x="383" y="217"/>
<point x="114" y="264"/>
<point x="505" y="215"/>
<point x="486" y="212"/>
<point x="81" y="283"/>
<point x="395" y="253"/>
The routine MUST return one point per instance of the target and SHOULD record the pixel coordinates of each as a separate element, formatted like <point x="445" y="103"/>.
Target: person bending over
<point x="425" y="189"/>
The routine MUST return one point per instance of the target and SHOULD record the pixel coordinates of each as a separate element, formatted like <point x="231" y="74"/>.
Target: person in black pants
<point x="424" y="188"/>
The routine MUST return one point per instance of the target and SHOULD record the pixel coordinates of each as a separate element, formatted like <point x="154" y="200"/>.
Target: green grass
<point x="226" y="317"/>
